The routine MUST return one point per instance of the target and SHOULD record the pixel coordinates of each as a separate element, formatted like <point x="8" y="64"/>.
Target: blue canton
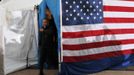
<point x="78" y="12"/>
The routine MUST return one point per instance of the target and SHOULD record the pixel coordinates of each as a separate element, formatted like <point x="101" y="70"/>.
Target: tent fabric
<point x="20" y="34"/>
<point x="20" y="40"/>
<point x="1" y="52"/>
<point x="1" y="42"/>
<point x="19" y="4"/>
<point x="54" y="6"/>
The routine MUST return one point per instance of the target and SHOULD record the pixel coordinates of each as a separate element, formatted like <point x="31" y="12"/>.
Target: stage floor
<point x="54" y="72"/>
<point x="34" y="72"/>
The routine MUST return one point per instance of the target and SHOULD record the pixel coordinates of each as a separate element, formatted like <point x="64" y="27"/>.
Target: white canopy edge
<point x="2" y="49"/>
<point x="11" y="5"/>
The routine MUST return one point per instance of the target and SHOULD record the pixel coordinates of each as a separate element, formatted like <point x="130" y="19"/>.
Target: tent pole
<point x="2" y="48"/>
<point x="61" y="50"/>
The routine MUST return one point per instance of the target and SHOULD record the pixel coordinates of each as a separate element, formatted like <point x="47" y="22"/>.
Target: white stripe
<point x="77" y="28"/>
<point x="98" y="50"/>
<point x="118" y="3"/>
<point x="119" y="14"/>
<point x="101" y="38"/>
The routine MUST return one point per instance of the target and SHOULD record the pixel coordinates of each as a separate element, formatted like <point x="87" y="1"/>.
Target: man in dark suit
<point x="54" y="56"/>
<point x="46" y="44"/>
<point x="47" y="40"/>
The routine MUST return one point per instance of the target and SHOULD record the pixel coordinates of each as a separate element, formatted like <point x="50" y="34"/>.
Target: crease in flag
<point x="97" y="35"/>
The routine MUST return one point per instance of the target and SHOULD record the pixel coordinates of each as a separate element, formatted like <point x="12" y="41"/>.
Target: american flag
<point x="97" y="29"/>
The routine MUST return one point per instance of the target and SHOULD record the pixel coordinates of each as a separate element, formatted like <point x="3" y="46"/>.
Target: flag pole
<point x="61" y="48"/>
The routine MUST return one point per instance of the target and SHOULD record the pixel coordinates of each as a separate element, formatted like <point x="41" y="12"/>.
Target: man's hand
<point x="41" y="30"/>
<point x="54" y="40"/>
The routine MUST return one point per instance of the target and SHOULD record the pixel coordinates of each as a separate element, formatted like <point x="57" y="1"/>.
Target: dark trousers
<point x="49" y="56"/>
<point x="43" y="58"/>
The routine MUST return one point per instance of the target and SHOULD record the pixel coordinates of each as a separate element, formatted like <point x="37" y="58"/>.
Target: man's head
<point x="48" y="13"/>
<point x="45" y="22"/>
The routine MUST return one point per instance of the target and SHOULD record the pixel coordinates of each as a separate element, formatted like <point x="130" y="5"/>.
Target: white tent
<point x="19" y="34"/>
<point x="1" y="44"/>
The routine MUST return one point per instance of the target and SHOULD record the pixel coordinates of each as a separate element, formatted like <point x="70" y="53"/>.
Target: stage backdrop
<point x="96" y="34"/>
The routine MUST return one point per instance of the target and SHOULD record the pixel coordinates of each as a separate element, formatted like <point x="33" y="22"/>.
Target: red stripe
<point x="97" y="44"/>
<point x="129" y="0"/>
<point x="97" y="56"/>
<point x="96" y="33"/>
<point x="119" y="8"/>
<point x="118" y="20"/>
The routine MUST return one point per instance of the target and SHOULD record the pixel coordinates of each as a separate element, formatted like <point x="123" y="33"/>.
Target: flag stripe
<point x="98" y="56"/>
<point x="119" y="20"/>
<point x="97" y="50"/>
<point x="119" y="8"/>
<point x="101" y="38"/>
<point x="97" y="44"/>
<point x="128" y="0"/>
<point x="119" y="15"/>
<point x="97" y="33"/>
<point x="78" y="28"/>
<point x="118" y="3"/>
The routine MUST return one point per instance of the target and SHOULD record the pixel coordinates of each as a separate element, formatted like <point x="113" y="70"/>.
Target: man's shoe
<point x="41" y="73"/>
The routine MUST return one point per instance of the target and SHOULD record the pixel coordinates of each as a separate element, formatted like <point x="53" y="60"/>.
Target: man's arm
<point x="41" y="30"/>
<point x="40" y="36"/>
